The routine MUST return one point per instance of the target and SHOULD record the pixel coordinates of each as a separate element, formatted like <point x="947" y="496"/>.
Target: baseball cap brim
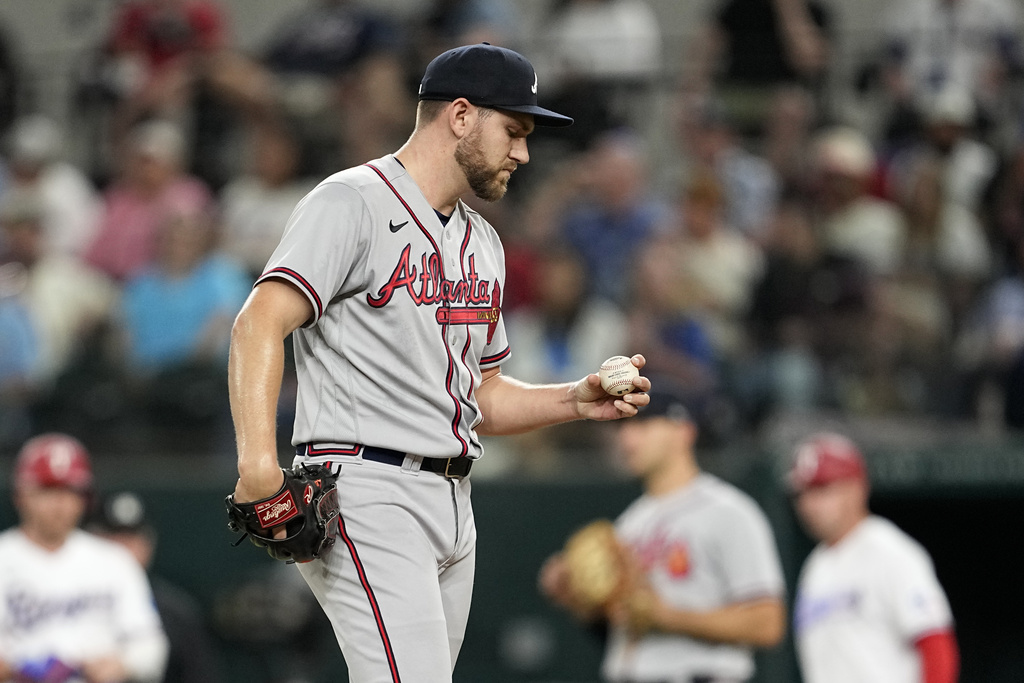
<point x="542" y="116"/>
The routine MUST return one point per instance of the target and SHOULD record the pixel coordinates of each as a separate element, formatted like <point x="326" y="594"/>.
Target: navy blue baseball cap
<point x="668" y="403"/>
<point x="488" y="76"/>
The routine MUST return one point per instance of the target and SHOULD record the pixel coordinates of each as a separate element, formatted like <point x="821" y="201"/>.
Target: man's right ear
<point x="461" y="116"/>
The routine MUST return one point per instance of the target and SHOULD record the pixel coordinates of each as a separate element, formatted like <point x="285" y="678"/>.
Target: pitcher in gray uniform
<point x="391" y="289"/>
<point x="712" y="588"/>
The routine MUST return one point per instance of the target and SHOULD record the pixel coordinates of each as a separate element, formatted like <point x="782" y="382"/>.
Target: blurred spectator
<point x="450" y="23"/>
<point x="256" y="205"/>
<point x="868" y="604"/>
<point x="967" y="166"/>
<point x="990" y="349"/>
<point x="666" y="314"/>
<point x="68" y="302"/>
<point x="706" y="270"/>
<point x="601" y="58"/>
<point x="176" y="320"/>
<point x="1007" y="209"/>
<point x="601" y="205"/>
<point x="10" y="80"/>
<point x="173" y="59"/>
<point x="945" y="239"/>
<point x="750" y="184"/>
<point x="19" y="355"/>
<point x="73" y="606"/>
<point x="932" y="44"/>
<point x="797" y="309"/>
<point x="180" y="309"/>
<point x="340" y="73"/>
<point x="852" y="222"/>
<point x="786" y="142"/>
<point x="151" y="184"/>
<point x="748" y="50"/>
<point x="567" y="329"/>
<point x="70" y="202"/>
<point x="121" y="518"/>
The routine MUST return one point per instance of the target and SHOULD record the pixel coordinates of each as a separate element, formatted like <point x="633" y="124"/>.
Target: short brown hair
<point x="427" y="111"/>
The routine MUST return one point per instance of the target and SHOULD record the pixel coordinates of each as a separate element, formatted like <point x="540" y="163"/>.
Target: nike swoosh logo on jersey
<point x="396" y="228"/>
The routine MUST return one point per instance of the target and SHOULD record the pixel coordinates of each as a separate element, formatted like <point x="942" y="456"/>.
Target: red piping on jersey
<point x="496" y="357"/>
<point x="332" y="451"/>
<point x="385" y="640"/>
<point x="449" y="376"/>
<point x="302" y="281"/>
<point x="469" y="329"/>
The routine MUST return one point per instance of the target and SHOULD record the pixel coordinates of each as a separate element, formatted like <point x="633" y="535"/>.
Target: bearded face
<point x="487" y="180"/>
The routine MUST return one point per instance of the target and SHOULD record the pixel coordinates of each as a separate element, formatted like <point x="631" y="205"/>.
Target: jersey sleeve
<point x="497" y="350"/>
<point x="144" y="645"/>
<point x="750" y="558"/>
<point x="323" y="246"/>
<point x="918" y="603"/>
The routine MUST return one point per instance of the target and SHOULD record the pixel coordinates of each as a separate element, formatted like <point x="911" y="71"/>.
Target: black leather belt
<point x="450" y="468"/>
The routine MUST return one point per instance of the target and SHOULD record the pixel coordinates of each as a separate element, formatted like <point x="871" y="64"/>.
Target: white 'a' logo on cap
<point x="533" y="88"/>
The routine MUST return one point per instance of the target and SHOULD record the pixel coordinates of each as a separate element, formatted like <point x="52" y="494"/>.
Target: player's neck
<point x="847" y="529"/>
<point x="51" y="542"/>
<point x="433" y="169"/>
<point x="673" y="475"/>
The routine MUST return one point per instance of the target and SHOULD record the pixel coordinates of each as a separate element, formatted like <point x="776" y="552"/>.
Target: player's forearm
<point x="255" y="369"/>
<point x="145" y="657"/>
<point x="758" y="624"/>
<point x="510" y="406"/>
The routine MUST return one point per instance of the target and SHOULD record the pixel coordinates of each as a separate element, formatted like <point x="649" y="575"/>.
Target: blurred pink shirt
<point x="127" y="237"/>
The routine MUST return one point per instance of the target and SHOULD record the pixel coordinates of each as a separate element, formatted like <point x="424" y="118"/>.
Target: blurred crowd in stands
<point x="773" y="250"/>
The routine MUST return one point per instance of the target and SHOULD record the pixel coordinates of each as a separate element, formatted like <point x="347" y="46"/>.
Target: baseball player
<point x="869" y="608"/>
<point x="192" y="658"/>
<point x="712" y="587"/>
<point x="73" y="607"/>
<point x="391" y="289"/>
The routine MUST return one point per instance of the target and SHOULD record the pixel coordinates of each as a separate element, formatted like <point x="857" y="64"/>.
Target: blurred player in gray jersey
<point x="391" y="289"/>
<point x="713" y="587"/>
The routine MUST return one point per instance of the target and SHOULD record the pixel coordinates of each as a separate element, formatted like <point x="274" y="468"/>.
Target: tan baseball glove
<point x="596" y="565"/>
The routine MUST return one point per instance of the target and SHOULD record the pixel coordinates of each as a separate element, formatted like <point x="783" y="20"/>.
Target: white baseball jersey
<point x="406" y="314"/>
<point x="862" y="603"/>
<point x="88" y="599"/>
<point x="703" y="547"/>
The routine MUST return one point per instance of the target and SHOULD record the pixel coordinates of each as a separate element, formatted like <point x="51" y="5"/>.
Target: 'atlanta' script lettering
<point x="427" y="285"/>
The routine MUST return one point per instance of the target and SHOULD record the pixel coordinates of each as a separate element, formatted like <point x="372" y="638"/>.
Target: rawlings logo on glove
<point x="311" y="524"/>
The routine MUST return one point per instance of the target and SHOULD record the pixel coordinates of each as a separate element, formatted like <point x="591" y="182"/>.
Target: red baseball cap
<point x="53" y="461"/>
<point x="824" y="458"/>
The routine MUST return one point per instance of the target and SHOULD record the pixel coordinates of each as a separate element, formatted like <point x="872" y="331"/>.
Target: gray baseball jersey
<point x="703" y="547"/>
<point x="406" y="315"/>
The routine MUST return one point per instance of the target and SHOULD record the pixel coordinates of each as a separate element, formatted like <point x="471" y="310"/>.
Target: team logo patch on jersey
<point x="677" y="560"/>
<point x="660" y="552"/>
<point x="278" y="510"/>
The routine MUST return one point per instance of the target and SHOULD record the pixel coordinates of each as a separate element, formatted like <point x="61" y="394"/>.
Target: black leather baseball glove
<point x="306" y="505"/>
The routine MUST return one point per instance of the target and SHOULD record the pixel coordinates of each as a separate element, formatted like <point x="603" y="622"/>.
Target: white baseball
<point x="617" y="375"/>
